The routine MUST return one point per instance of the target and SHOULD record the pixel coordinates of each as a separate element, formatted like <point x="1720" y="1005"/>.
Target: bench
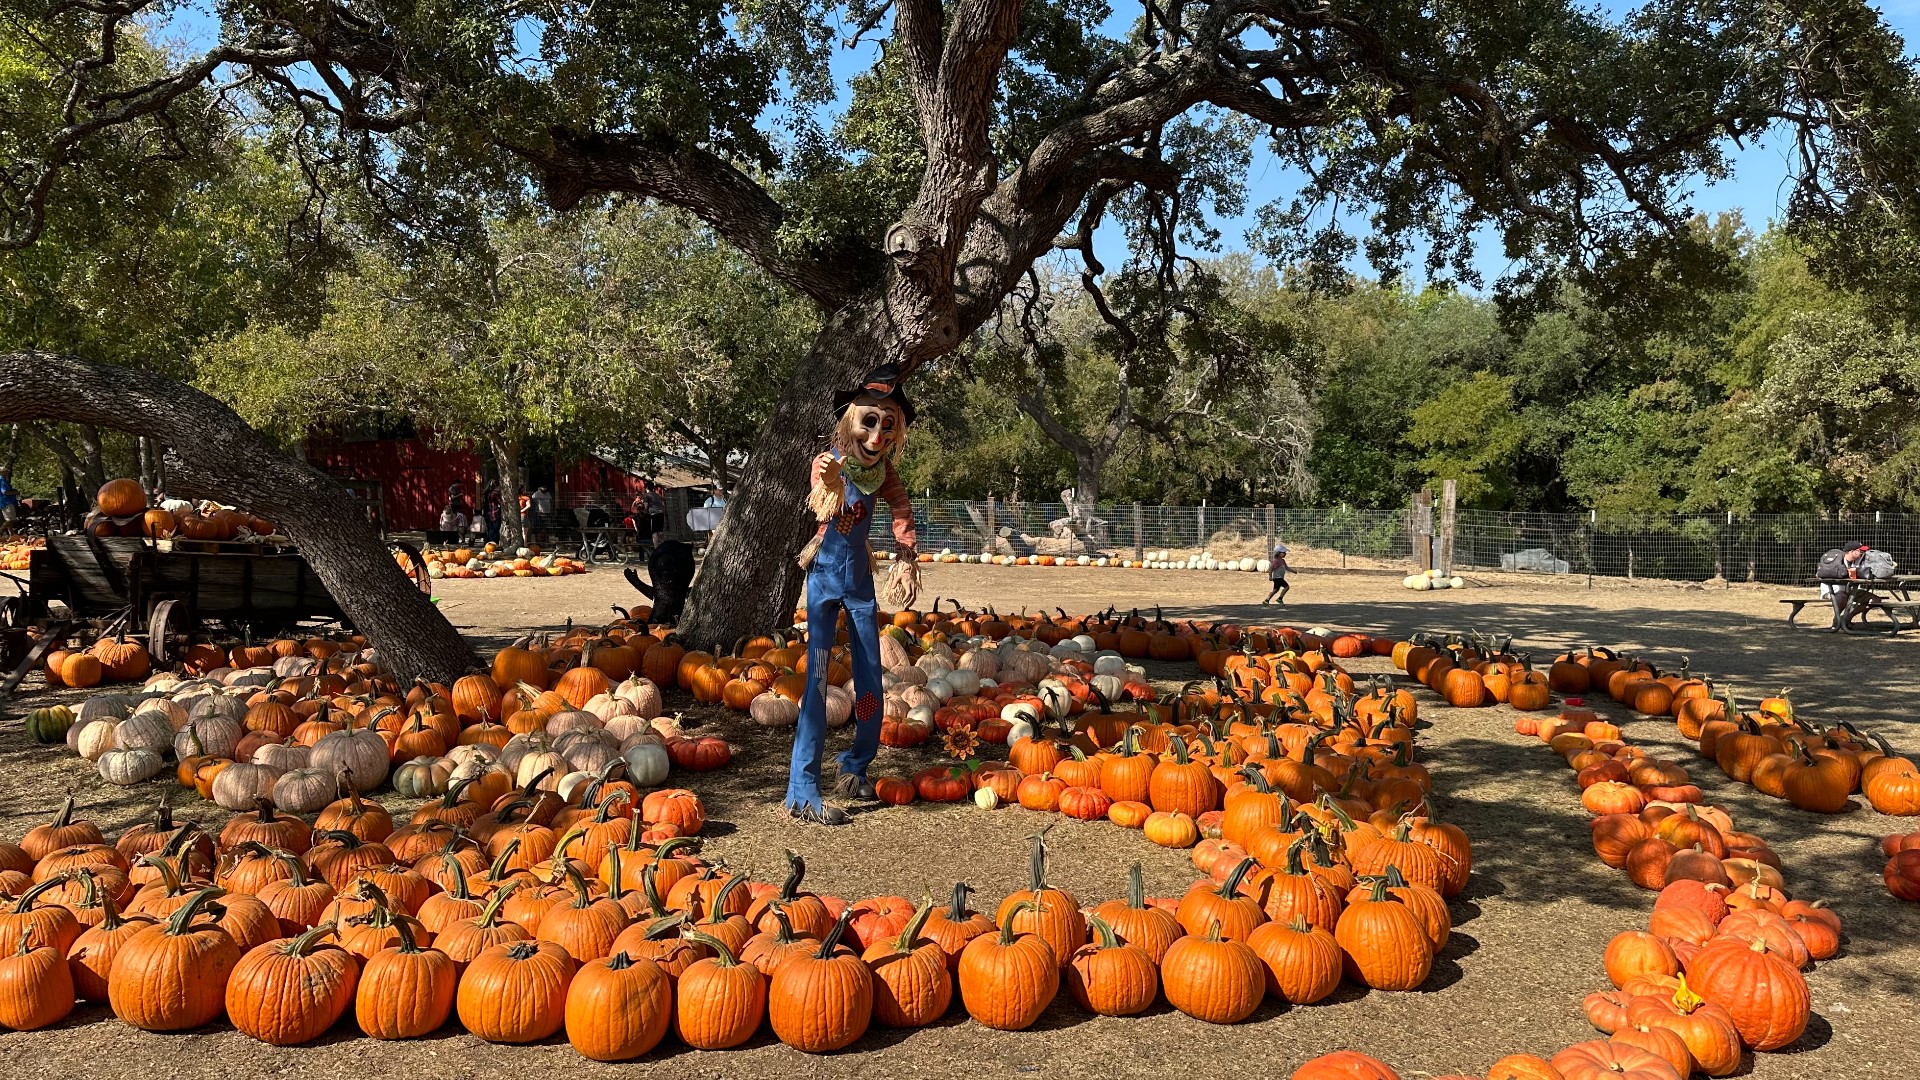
<point x="1794" y="611"/>
<point x="1894" y="610"/>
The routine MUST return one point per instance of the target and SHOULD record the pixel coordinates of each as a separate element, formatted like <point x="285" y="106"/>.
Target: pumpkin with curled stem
<point x="1008" y="978"/>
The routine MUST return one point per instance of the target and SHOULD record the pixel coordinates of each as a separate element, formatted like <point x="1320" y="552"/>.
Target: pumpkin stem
<point x="796" y="871"/>
<point x="581" y="897"/>
<point x="498" y="871"/>
<point x="722" y="955"/>
<point x="659" y="928"/>
<point x="489" y="916"/>
<point x="169" y="874"/>
<point x="1102" y="932"/>
<point x="957" y="907"/>
<point x="177" y="925"/>
<point x="1136" y="888"/>
<point x="1037" y="865"/>
<point x="651" y="891"/>
<point x="828" y="943"/>
<point x="302" y="945"/>
<point x="719" y="912"/>
<point x="64" y="816"/>
<point x="404" y="928"/>
<point x="910" y="933"/>
<point x="1006" y="928"/>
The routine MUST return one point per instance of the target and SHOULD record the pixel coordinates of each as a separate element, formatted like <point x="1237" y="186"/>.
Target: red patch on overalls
<point x="866" y="706"/>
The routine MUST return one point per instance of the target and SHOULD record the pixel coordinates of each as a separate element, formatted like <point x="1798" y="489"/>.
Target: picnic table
<point x="1891" y="596"/>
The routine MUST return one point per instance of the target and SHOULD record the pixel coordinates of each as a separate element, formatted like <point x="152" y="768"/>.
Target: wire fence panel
<point x="1776" y="548"/>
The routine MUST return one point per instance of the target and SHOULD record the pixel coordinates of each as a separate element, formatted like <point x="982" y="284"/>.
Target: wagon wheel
<point x="55" y="637"/>
<point x="160" y="623"/>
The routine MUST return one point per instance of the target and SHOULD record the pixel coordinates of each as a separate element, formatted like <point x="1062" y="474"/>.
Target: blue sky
<point x="1757" y="187"/>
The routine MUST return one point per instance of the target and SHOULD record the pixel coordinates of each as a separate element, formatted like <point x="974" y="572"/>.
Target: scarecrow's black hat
<point x="882" y="382"/>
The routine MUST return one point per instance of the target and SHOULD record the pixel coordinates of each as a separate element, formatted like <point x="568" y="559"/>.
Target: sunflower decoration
<point x="962" y="744"/>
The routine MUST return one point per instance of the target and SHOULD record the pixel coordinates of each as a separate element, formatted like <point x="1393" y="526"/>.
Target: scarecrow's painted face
<point x="872" y="429"/>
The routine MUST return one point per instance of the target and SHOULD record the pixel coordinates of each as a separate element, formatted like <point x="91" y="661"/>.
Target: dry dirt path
<point x="1530" y="928"/>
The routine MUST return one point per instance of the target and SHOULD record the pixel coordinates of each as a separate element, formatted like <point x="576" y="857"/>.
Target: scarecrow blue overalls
<point x="841" y="576"/>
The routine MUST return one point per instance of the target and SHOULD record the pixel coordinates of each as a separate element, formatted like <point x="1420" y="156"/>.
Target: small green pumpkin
<point x="49" y="725"/>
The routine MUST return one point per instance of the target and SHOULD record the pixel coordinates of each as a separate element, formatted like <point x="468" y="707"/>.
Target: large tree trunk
<point x="506" y="461"/>
<point x="749" y="582"/>
<point x="212" y="453"/>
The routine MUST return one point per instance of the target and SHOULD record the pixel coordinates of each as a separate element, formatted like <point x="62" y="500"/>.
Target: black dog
<point x="672" y="570"/>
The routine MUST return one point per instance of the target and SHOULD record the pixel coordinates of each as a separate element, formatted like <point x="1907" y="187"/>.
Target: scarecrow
<point x="870" y="429"/>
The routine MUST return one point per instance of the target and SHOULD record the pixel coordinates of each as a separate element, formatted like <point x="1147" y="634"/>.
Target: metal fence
<point x="1777" y="548"/>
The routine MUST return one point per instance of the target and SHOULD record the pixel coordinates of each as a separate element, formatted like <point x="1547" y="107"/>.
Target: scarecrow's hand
<point x="825" y="498"/>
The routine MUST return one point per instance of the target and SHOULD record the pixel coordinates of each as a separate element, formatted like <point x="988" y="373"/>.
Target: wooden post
<point x="1270" y="534"/>
<point x="1139" y="552"/>
<point x="1200" y="532"/>
<point x="1420" y="523"/>
<point x="991" y="542"/>
<point x="1449" y="492"/>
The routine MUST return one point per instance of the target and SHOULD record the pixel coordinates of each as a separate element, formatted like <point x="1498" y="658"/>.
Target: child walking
<point x="1277" y="571"/>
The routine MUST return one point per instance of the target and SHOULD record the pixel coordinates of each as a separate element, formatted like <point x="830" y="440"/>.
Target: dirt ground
<point x="1529" y="930"/>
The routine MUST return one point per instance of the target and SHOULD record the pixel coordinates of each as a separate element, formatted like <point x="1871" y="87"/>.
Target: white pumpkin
<point x="476" y="756"/>
<point x="922" y="714"/>
<point x="104" y="707"/>
<point x="169" y="710"/>
<point x="1057" y="698"/>
<point x="572" y="720"/>
<point x="95" y="738"/>
<point x="628" y="724"/>
<point x="1456" y="583"/>
<point x="545" y="765"/>
<point x="360" y="752"/>
<point x="592" y="755"/>
<point x="303" y="791"/>
<point x="217" y="703"/>
<point x="910" y="676"/>
<point x="574" y="783"/>
<point x="647" y="764"/>
<point x="774" y="711"/>
<point x="210" y="735"/>
<point x="128" y="767"/>
<point x="962" y="682"/>
<point x="839" y="706"/>
<point x="643" y="694"/>
<point x="1417" y="582"/>
<point x="1020" y="712"/>
<point x="240" y="783"/>
<point x="985" y="798"/>
<point x="982" y="662"/>
<point x="1017" y="730"/>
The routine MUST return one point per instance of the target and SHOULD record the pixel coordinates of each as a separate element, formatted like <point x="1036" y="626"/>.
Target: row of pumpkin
<point x="1780" y="753"/>
<point x="1718" y="969"/>
<point x="305" y="727"/>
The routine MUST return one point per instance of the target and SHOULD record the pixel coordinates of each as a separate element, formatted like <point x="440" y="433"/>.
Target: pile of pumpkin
<point x="1473" y="673"/>
<point x="595" y="926"/>
<point x="120" y="509"/>
<point x="1772" y="748"/>
<point x="1718" y="968"/>
<point x="110" y="659"/>
<point x="16" y="553"/>
<point x="298" y="722"/>
<point x="488" y="561"/>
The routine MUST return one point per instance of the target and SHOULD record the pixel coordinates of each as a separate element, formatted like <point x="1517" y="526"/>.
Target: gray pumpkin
<point x="303" y="791"/>
<point x="129" y="767"/>
<point x="241" y="783"/>
<point x="361" y="751"/>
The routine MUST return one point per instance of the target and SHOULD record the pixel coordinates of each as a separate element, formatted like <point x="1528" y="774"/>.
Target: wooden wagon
<point x="165" y="594"/>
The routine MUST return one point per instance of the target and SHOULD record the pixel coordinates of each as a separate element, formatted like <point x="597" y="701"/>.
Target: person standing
<point x="653" y="504"/>
<point x="493" y="511"/>
<point x="9" y="498"/>
<point x="1837" y="571"/>
<point x="542" y="512"/>
<point x="855" y="471"/>
<point x="453" y="516"/>
<point x="1277" y="573"/>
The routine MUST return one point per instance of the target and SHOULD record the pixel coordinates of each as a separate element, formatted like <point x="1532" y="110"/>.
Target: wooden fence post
<point x="1139" y="552"/>
<point x="992" y="540"/>
<point x="1449" y="492"/>
<point x="1421" y="525"/>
